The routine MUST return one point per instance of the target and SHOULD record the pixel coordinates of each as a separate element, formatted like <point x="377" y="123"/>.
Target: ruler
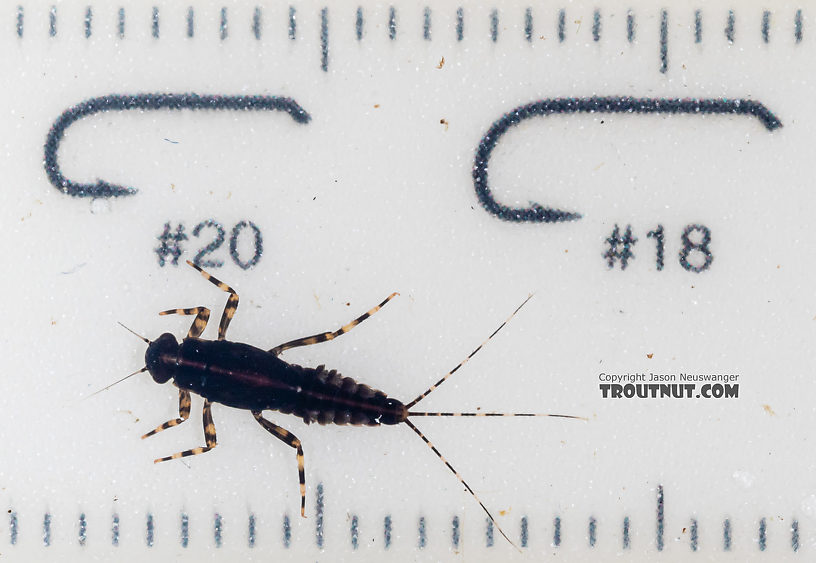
<point x="642" y="170"/>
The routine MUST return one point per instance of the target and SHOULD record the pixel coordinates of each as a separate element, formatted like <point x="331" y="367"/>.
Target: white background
<point x="375" y="195"/>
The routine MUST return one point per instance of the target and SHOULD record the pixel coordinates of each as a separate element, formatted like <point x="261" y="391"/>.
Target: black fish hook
<point x="537" y="213"/>
<point x="147" y="102"/>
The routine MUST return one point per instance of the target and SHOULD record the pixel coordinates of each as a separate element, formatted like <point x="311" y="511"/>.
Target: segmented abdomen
<point x="330" y="398"/>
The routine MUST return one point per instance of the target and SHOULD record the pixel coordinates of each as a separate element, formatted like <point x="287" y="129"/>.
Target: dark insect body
<point x="245" y="377"/>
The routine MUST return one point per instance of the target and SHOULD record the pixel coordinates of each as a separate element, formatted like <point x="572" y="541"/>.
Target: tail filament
<point x="463" y="362"/>
<point x="436" y="451"/>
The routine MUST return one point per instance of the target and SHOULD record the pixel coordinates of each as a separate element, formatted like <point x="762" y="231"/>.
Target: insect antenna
<point x="463" y="362"/>
<point x="461" y="480"/>
<point x="115" y="382"/>
<point x="134" y="333"/>
<point x="140" y="337"/>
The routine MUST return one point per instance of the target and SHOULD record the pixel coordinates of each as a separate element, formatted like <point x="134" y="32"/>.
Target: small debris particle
<point x="135" y="418"/>
<point x="650" y="356"/>
<point x="444" y="122"/>
<point x="74" y="269"/>
<point x="441" y="63"/>
<point x="769" y="410"/>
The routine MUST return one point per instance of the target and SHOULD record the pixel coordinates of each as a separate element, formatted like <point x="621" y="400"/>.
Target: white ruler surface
<point x="644" y="170"/>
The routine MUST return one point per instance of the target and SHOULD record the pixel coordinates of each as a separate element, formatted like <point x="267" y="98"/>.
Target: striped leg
<point x="323" y="337"/>
<point x="209" y="437"/>
<point x="463" y="362"/>
<point x="199" y="323"/>
<point x="232" y="302"/>
<point x="292" y="440"/>
<point x="184" y="414"/>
